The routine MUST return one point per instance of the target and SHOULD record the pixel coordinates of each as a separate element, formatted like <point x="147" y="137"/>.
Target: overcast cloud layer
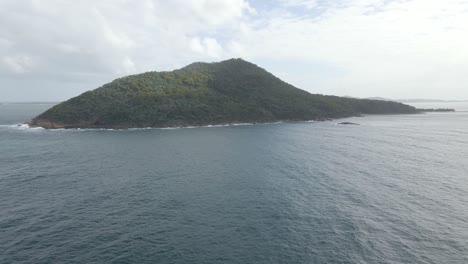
<point x="52" y="50"/>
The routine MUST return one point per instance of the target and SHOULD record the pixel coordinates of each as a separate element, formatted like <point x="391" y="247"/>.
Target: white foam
<point x="26" y="127"/>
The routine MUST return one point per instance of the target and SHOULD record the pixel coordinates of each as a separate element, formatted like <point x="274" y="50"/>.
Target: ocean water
<point x="393" y="189"/>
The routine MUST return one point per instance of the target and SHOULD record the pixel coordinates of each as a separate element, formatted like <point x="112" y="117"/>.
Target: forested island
<point x="231" y="91"/>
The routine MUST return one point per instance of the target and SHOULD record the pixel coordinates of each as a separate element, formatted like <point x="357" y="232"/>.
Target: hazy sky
<point x="52" y="50"/>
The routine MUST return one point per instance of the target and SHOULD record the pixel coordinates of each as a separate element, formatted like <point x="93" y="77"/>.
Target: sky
<point x="52" y="50"/>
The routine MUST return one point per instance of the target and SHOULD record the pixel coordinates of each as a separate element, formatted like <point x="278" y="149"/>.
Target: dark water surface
<point x="391" y="190"/>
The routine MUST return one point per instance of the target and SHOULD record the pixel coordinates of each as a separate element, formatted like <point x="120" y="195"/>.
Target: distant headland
<point x="435" y="110"/>
<point x="231" y="91"/>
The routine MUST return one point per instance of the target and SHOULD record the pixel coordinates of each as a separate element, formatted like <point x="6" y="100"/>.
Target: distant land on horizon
<point x="417" y="100"/>
<point x="30" y="102"/>
<point x="231" y="91"/>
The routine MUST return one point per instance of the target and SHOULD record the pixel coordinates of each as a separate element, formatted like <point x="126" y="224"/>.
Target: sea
<point x="393" y="189"/>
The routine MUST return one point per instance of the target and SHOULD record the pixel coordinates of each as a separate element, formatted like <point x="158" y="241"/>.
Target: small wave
<point x="27" y="127"/>
<point x="206" y="126"/>
<point x="243" y="124"/>
<point x="23" y="127"/>
<point x="223" y="125"/>
<point x="142" y="128"/>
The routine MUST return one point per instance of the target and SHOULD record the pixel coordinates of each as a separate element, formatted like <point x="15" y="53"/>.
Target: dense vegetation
<point x="232" y="91"/>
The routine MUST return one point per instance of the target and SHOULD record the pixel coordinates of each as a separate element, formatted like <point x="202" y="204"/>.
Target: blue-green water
<point x="391" y="190"/>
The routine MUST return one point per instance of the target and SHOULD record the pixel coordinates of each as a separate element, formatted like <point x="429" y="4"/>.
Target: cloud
<point x="389" y="48"/>
<point x="404" y="48"/>
<point x="128" y="66"/>
<point x="206" y="46"/>
<point x="18" y="64"/>
<point x="109" y="32"/>
<point x="68" y="48"/>
<point x="215" y="12"/>
<point x="308" y="4"/>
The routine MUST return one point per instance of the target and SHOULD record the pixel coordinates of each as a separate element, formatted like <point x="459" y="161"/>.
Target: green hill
<point x="231" y="91"/>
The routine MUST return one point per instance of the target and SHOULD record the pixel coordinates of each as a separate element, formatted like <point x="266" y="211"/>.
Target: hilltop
<point x="231" y="91"/>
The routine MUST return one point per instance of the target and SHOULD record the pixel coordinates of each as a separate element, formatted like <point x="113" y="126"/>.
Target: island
<point x="435" y="110"/>
<point x="348" y="123"/>
<point x="226" y="92"/>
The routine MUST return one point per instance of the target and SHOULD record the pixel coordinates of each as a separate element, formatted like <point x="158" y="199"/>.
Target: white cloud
<point x="212" y="47"/>
<point x="206" y="46"/>
<point x="410" y="48"/>
<point x="68" y="48"/>
<point x="149" y="33"/>
<point x="18" y="64"/>
<point x="196" y="45"/>
<point x="5" y="43"/>
<point x="308" y="4"/>
<point x="395" y="49"/>
<point x="215" y="12"/>
<point x="128" y="66"/>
